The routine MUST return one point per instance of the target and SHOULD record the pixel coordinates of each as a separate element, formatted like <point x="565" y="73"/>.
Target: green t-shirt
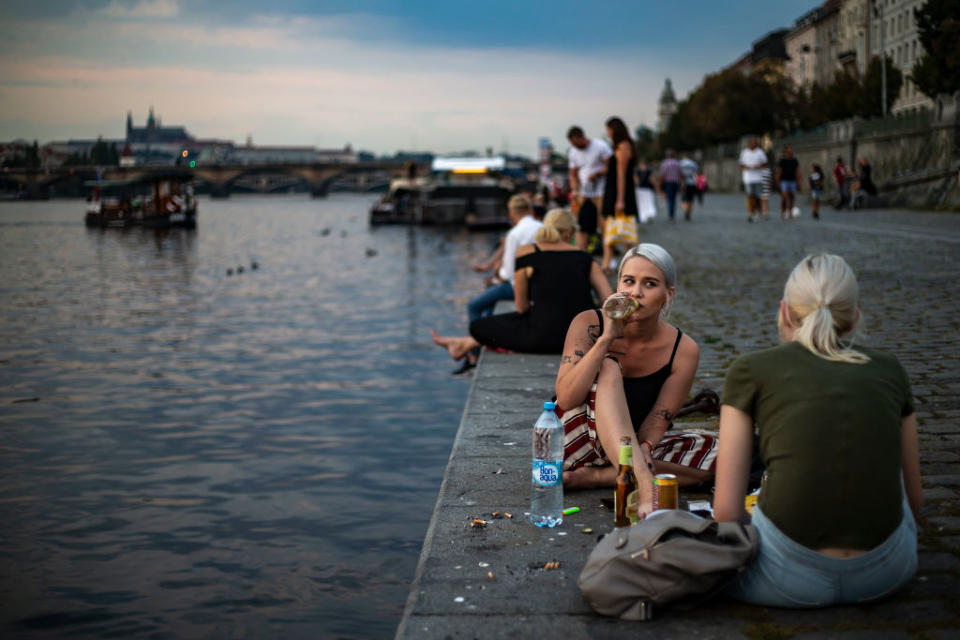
<point x="830" y="437"/>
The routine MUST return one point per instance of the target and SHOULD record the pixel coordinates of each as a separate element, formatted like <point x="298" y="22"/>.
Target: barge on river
<point x="459" y="191"/>
<point x="158" y="201"/>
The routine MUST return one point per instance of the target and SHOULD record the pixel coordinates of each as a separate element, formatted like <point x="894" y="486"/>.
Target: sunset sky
<point x="415" y="74"/>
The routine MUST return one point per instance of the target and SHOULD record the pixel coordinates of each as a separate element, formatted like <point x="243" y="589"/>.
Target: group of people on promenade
<point x="833" y="420"/>
<point x="758" y="180"/>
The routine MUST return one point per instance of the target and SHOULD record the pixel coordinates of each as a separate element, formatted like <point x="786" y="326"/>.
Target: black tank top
<point x="642" y="391"/>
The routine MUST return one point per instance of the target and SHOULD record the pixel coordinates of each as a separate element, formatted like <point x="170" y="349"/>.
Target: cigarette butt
<point x="571" y="511"/>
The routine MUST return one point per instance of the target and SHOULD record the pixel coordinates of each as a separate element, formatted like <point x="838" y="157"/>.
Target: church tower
<point x="129" y="124"/>
<point x="667" y="107"/>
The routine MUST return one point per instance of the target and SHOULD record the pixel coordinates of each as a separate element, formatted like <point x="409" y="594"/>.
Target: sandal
<point x="465" y="365"/>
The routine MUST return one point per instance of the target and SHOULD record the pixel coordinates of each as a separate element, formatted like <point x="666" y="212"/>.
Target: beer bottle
<point x="625" y="493"/>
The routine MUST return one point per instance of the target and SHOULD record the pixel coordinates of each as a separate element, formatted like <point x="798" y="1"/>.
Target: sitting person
<point x="628" y="378"/>
<point x="500" y="287"/>
<point x="552" y="284"/>
<point x="838" y="434"/>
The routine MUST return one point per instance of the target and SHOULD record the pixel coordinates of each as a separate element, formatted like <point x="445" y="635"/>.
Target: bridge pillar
<point x="35" y="191"/>
<point x="319" y="189"/>
<point x="219" y="189"/>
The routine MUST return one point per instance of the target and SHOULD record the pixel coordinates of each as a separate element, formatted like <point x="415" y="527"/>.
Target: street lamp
<point x="878" y="12"/>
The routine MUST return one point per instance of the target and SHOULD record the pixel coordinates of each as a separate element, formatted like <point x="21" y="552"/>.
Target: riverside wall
<point x="915" y="159"/>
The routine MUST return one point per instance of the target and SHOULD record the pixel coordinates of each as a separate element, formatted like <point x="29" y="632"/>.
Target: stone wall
<point x="915" y="159"/>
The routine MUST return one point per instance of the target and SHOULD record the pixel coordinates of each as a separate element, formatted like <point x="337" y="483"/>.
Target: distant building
<point x="767" y="55"/>
<point x="801" y="48"/>
<point x="154" y="132"/>
<point x="901" y="41"/>
<point x="854" y="36"/>
<point x="826" y="22"/>
<point x="667" y="106"/>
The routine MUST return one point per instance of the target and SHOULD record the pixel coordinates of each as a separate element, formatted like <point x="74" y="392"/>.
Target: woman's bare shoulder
<point x="525" y="250"/>
<point x="688" y="346"/>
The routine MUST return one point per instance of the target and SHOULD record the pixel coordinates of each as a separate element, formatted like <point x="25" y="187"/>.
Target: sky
<point x="381" y="76"/>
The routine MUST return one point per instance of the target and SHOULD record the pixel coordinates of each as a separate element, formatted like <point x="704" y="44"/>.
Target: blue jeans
<point x="484" y="303"/>
<point x="670" y="191"/>
<point x="784" y="573"/>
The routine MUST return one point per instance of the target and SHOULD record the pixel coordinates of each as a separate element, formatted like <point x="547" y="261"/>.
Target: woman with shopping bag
<point x="619" y="195"/>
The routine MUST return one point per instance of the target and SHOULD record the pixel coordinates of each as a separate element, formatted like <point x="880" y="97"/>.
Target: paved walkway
<point x="731" y="276"/>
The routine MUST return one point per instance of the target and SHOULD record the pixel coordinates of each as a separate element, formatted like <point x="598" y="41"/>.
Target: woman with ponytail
<point x="838" y="434"/>
<point x="552" y="284"/>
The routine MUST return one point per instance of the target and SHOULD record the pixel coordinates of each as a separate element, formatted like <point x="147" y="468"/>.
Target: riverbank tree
<point x="938" y="69"/>
<point x="731" y="104"/>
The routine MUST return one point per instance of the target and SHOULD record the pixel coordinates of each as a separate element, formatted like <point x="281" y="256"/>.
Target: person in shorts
<point x="788" y="178"/>
<point x="587" y="159"/>
<point x="753" y="161"/>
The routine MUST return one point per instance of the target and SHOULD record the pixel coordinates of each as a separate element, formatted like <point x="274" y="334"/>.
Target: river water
<point x="187" y="453"/>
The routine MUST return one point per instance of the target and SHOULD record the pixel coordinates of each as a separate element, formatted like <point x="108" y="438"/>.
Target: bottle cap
<point x="548" y="406"/>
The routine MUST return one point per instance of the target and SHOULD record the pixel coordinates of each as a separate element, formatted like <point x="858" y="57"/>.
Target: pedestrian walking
<point x="702" y="186"/>
<point x="816" y="189"/>
<point x="788" y="181"/>
<point x="587" y="160"/>
<point x="840" y="175"/>
<point x="689" y="169"/>
<point x="752" y="162"/>
<point x="671" y="177"/>
<point x="646" y="185"/>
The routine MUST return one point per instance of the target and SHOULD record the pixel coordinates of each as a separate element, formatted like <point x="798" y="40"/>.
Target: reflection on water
<point x="187" y="453"/>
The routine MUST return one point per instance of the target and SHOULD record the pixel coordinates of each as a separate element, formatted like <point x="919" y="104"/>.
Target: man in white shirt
<point x="753" y="161"/>
<point x="520" y="210"/>
<point x="587" y="159"/>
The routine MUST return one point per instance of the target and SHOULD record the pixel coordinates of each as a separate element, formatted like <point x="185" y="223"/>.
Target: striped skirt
<point x="582" y="448"/>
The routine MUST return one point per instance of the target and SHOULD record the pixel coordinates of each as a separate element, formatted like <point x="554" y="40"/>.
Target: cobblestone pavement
<point x="731" y="277"/>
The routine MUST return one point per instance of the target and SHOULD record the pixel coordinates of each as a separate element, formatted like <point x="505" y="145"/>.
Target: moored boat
<point x="158" y="200"/>
<point x="468" y="191"/>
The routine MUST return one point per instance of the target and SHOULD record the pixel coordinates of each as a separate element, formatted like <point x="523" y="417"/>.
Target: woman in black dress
<point x="619" y="193"/>
<point x="553" y="283"/>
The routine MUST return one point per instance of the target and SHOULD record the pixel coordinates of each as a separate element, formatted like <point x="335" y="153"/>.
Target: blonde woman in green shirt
<point x="838" y="434"/>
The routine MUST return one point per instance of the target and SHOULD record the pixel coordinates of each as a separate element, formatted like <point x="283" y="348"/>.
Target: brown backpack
<point x="671" y="557"/>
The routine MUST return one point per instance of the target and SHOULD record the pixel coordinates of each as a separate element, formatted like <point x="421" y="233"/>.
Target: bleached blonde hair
<point x="821" y="294"/>
<point x="554" y="224"/>
<point x="661" y="259"/>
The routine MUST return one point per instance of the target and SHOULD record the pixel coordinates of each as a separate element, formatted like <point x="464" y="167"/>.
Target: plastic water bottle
<point x="546" y="485"/>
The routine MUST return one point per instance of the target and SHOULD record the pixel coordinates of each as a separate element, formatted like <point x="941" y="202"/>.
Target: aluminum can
<point x="666" y="491"/>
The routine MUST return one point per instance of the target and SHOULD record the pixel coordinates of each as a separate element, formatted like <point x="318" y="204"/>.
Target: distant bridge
<point x="36" y="183"/>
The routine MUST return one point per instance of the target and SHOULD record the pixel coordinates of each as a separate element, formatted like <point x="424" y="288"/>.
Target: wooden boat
<point x="159" y="200"/>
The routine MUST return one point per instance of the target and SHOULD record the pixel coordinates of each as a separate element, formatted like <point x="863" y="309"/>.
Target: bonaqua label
<point x="546" y="474"/>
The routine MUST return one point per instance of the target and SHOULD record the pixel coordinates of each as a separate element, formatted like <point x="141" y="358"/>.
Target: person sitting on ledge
<point x="838" y="434"/>
<point x="630" y="377"/>
<point x="552" y="284"/>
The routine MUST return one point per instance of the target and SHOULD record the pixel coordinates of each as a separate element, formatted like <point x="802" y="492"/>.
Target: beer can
<point x="666" y="491"/>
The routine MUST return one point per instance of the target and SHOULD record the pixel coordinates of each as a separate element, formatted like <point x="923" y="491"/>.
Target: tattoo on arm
<point x="593" y="332"/>
<point x="575" y="358"/>
<point x="665" y="414"/>
<point x="566" y="359"/>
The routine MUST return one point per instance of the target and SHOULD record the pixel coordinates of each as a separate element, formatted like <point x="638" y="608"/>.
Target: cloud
<point x="142" y="9"/>
<point x="303" y="80"/>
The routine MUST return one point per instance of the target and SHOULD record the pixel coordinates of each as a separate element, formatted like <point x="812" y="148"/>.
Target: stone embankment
<point x="490" y="580"/>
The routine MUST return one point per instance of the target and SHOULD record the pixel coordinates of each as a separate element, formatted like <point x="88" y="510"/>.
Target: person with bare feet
<point x="628" y="378"/>
<point x="553" y="282"/>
